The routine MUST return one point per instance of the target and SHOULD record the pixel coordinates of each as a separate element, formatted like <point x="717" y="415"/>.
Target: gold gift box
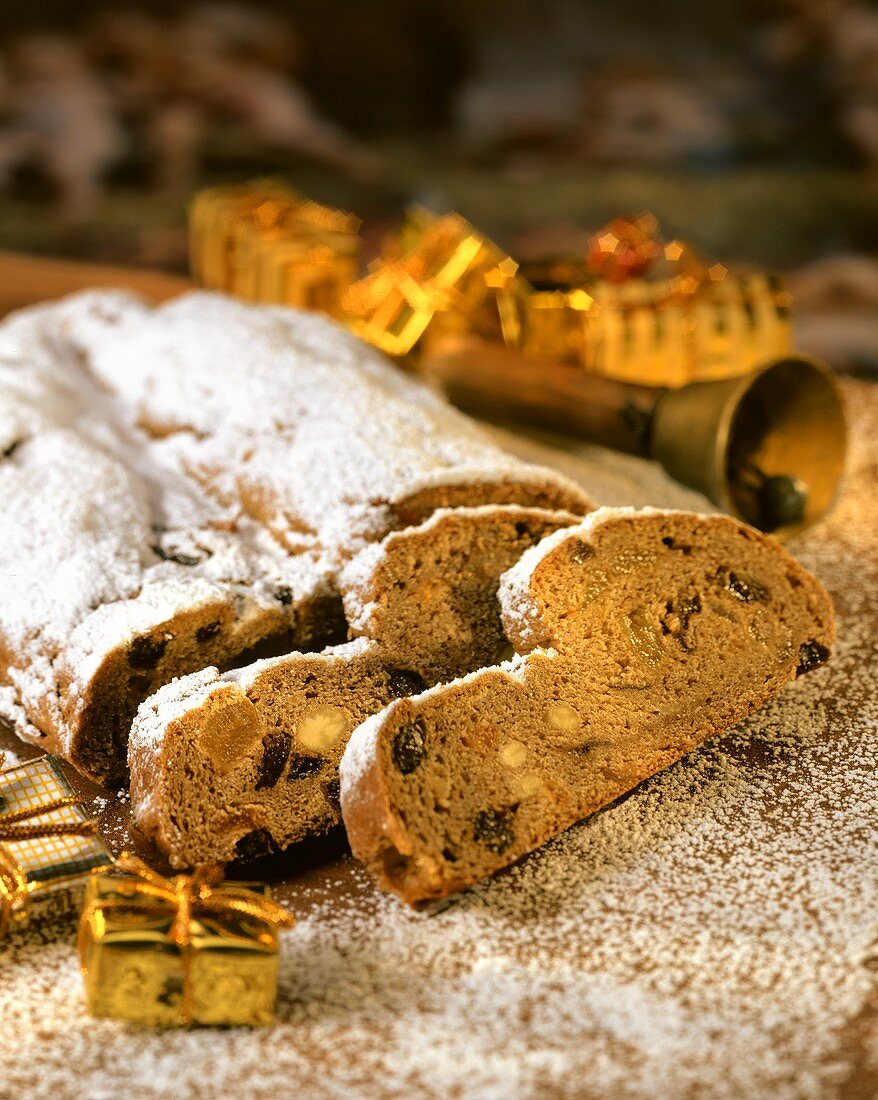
<point x="656" y="331"/>
<point x="266" y="243"/>
<point x="448" y="270"/>
<point x="154" y="957"/>
<point x="633" y="309"/>
<point x="47" y="844"/>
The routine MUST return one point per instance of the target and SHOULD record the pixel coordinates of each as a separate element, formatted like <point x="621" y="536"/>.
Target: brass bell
<point x="768" y="447"/>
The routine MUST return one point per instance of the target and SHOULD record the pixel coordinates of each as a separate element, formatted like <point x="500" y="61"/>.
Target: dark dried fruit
<point x="811" y="655"/>
<point x="676" y="620"/>
<point x="303" y="766"/>
<point x="744" y="589"/>
<point x="9" y="451"/>
<point x="580" y="551"/>
<point x="254" y="845"/>
<point x="145" y="652"/>
<point x="332" y="794"/>
<point x="409" y="747"/>
<point x="275" y="753"/>
<point x="208" y="631"/>
<point x="178" y="557"/>
<point x="401" y="683"/>
<point x="494" y="829"/>
<point x="284" y="594"/>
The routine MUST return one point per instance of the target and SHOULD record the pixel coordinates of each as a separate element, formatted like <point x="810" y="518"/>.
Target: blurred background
<point x="749" y="127"/>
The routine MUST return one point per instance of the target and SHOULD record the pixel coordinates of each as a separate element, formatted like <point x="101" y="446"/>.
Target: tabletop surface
<point x="713" y="934"/>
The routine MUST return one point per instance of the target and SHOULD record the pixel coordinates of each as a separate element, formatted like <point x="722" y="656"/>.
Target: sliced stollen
<point x="428" y="594"/>
<point x="176" y="786"/>
<point x="182" y="485"/>
<point x="645" y="632"/>
<point x="235" y="766"/>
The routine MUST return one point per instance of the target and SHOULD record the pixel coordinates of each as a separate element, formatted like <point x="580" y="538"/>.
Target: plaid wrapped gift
<point x="48" y="844"/>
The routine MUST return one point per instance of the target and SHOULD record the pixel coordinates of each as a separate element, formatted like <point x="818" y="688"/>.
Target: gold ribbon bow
<point x="189" y="897"/>
<point x="13" y="880"/>
<point x="192" y="896"/>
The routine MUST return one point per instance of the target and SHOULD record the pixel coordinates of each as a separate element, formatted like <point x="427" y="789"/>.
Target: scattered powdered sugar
<point x="711" y="935"/>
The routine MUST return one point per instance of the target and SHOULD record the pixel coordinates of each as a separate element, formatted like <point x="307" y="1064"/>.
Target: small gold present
<point x="449" y="268"/>
<point x="264" y="242"/>
<point x="172" y="952"/>
<point x="48" y="843"/>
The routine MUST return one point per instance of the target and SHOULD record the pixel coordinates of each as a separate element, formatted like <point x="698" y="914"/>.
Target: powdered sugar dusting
<point x="102" y="534"/>
<point x="170" y="703"/>
<point x="290" y="409"/>
<point x="152" y="460"/>
<point x="708" y="936"/>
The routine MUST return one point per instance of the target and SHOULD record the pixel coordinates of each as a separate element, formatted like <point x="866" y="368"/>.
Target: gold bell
<point x="767" y="447"/>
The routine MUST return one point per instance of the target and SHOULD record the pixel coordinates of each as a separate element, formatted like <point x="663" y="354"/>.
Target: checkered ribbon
<point x="17" y="825"/>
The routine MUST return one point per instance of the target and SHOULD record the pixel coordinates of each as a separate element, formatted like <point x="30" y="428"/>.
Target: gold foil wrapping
<point x="48" y="845"/>
<point x="266" y="243"/>
<point x="632" y="308"/>
<point x="173" y="952"/>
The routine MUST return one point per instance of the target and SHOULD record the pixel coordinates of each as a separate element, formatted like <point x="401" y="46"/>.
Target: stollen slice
<point x="428" y="594"/>
<point x="235" y="766"/>
<point x="639" y="634"/>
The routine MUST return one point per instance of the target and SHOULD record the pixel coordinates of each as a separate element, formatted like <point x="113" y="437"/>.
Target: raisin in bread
<point x="428" y="594"/>
<point x="182" y="485"/>
<point x="644" y="633"/>
<point x="232" y="767"/>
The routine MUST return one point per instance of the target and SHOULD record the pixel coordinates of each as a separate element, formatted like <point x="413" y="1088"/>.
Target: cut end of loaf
<point x="665" y="628"/>
<point x="428" y="594"/>
<point x="234" y="767"/>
